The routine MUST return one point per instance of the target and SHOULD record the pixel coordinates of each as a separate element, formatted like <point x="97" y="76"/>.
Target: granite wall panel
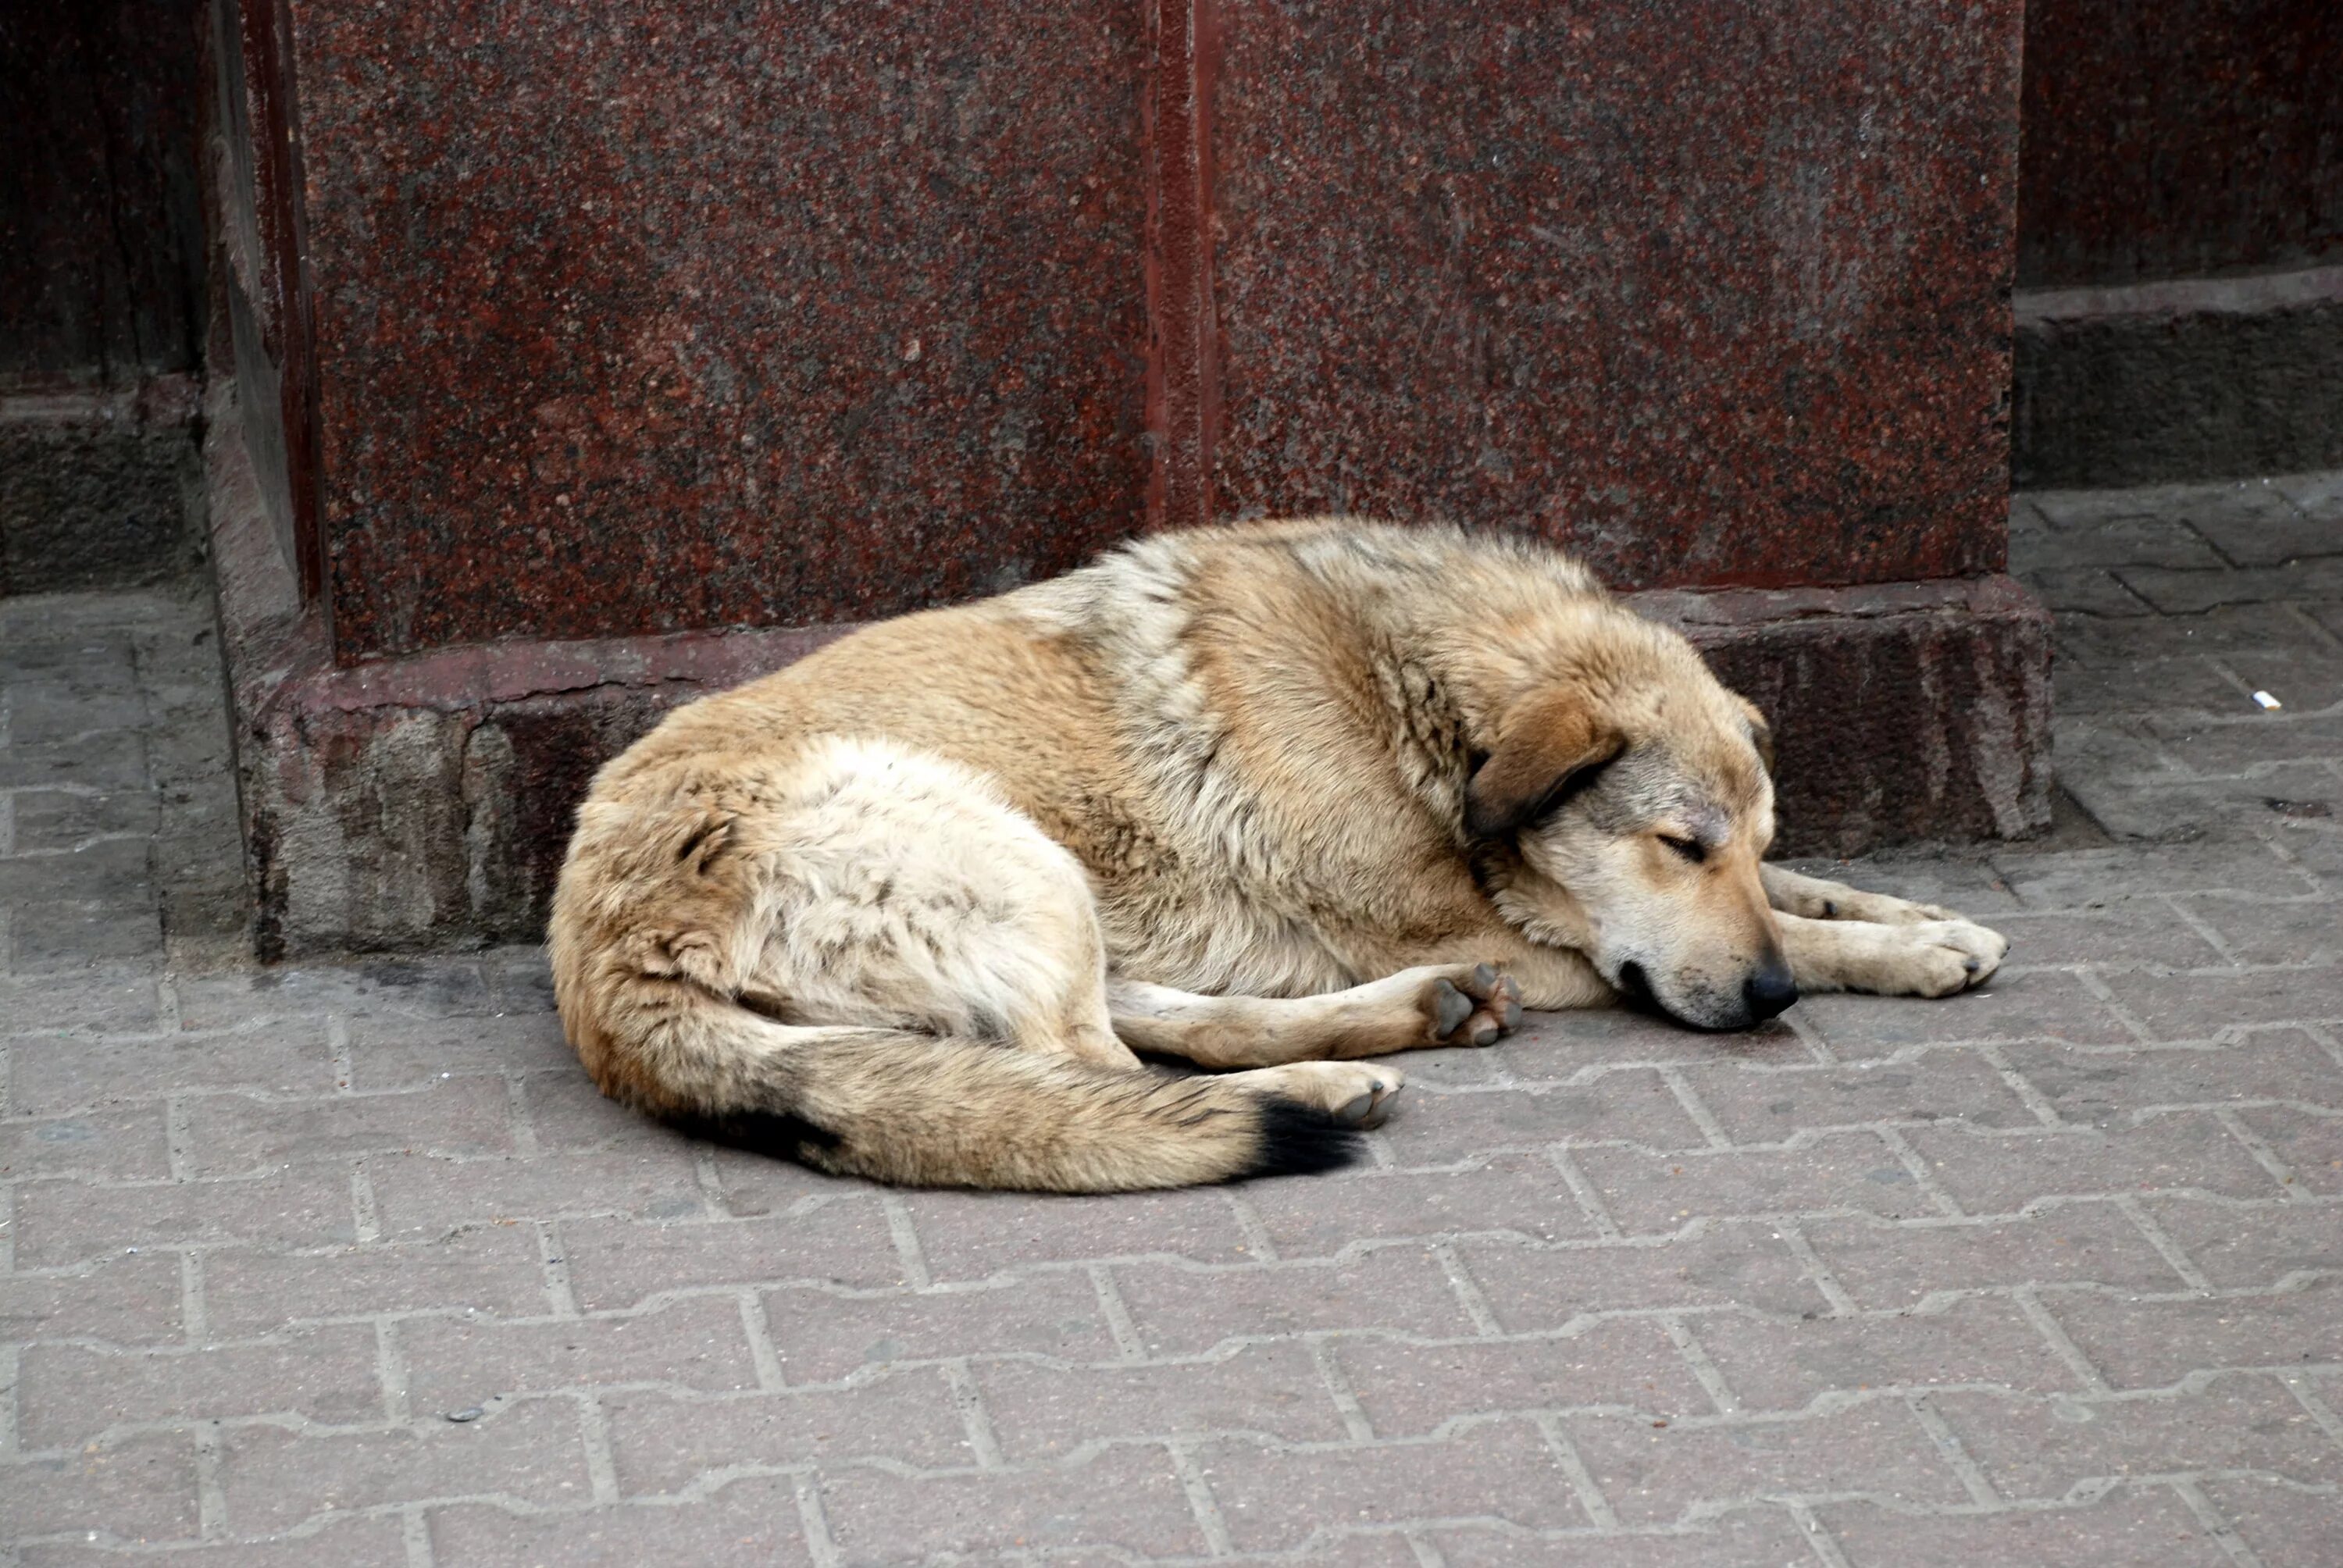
<point x="634" y="318"/>
<point x="1713" y="293"/>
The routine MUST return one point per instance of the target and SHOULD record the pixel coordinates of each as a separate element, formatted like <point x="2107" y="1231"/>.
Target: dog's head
<point x="1625" y="796"/>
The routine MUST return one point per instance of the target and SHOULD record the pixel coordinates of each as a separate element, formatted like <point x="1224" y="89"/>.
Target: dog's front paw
<point x="1474" y="1005"/>
<point x="1938" y="958"/>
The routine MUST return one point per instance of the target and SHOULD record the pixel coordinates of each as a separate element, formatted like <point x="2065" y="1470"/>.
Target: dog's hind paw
<point x="1475" y="1006"/>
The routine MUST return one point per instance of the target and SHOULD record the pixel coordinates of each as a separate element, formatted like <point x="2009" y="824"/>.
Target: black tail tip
<point x="1298" y="1139"/>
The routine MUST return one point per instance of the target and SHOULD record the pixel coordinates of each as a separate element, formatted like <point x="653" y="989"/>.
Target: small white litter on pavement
<point x="2266" y="700"/>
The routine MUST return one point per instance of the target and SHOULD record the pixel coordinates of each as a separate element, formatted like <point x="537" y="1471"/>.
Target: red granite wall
<point x="642" y="318"/>
<point x="2181" y="139"/>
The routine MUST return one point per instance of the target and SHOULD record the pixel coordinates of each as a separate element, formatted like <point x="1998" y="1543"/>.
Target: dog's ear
<point x="1551" y="747"/>
<point x="1761" y="734"/>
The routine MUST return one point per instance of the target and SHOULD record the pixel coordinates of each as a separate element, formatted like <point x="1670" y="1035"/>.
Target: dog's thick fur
<point x="907" y="908"/>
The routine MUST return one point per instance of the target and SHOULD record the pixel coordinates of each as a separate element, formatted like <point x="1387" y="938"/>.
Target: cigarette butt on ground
<point x="2266" y="700"/>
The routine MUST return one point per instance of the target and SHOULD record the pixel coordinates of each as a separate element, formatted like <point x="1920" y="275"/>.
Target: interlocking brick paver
<point x="1276" y="1390"/>
<point x="661" y="1443"/>
<point x="126" y="1143"/>
<point x="616" y="1262"/>
<point x="1655" y="1473"/>
<point x="2145" y="1529"/>
<point x="750" y="1521"/>
<point x="971" y="1235"/>
<point x="699" y="1342"/>
<point x="273" y="1478"/>
<point x="2284" y="1526"/>
<point x="2310" y="1145"/>
<point x="1624" y="1106"/>
<point x="1501" y="1470"/>
<point x="2252" y="1247"/>
<point x="1832" y="1172"/>
<point x="820" y="1337"/>
<point x="1773" y="1364"/>
<point x="349" y="1262"/>
<point x="234" y="1132"/>
<point x="70" y="1393"/>
<point x="1755" y="1105"/>
<point x="2001" y="1173"/>
<point x="133" y="1300"/>
<point x="1401" y="1289"/>
<point x="2144" y="1343"/>
<point x="496" y="1271"/>
<point x="364" y="1543"/>
<point x="1412" y="1390"/>
<point x="1130" y="1498"/>
<point x="2283" y="1064"/>
<point x="1892" y="1266"/>
<point x="420" y="1194"/>
<point x="1719" y="1265"/>
<point x="1759" y="1537"/>
<point x="2044" y="1448"/>
<point x="140" y="1488"/>
<point x="1518" y="1194"/>
<point x="51" y="1073"/>
<point x="65" y="1221"/>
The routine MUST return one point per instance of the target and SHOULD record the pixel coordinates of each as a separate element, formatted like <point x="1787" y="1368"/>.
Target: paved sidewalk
<point x="353" y="1262"/>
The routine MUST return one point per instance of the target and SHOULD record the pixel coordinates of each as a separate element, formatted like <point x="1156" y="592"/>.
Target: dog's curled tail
<point x="923" y="1110"/>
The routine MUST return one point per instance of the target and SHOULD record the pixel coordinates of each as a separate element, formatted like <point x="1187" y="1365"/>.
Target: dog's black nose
<point x="1769" y="992"/>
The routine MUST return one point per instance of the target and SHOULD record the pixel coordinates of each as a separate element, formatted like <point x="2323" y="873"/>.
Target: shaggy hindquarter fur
<point x="1272" y="800"/>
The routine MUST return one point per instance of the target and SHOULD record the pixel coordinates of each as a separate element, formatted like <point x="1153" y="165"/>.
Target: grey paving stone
<point x="1411" y="1389"/>
<point x="1709" y="1264"/>
<point x="1889" y="1266"/>
<point x="132" y="1300"/>
<point x="2253" y="1248"/>
<point x="2284" y="1527"/>
<point x="750" y="1521"/>
<point x="1273" y="1390"/>
<point x="1129" y="1498"/>
<point x="142" y="1488"/>
<point x="616" y="1262"/>
<point x="125" y="1143"/>
<point x="2146" y="1342"/>
<point x="497" y="1270"/>
<point x="1655" y="1474"/>
<point x="972" y="1235"/>
<point x="67" y="1221"/>
<point x="2150" y="1528"/>
<point x="1522" y="1195"/>
<point x="1185" y="1311"/>
<point x="1630" y="1105"/>
<point x="1768" y="1105"/>
<point x="1787" y="1364"/>
<point x="68" y="1394"/>
<point x="2100" y="1086"/>
<point x="2003" y="1172"/>
<point x="272" y="1479"/>
<point x="820" y="1337"/>
<point x="2045" y="1448"/>
<point x="1759" y="1537"/>
<point x="231" y="1133"/>
<point x="1834" y="1173"/>
<point x="55" y="1072"/>
<point x="1504" y="1470"/>
<point x="362" y="1542"/>
<point x="663" y="1442"/>
<point x="426" y="1194"/>
<point x="456" y="1363"/>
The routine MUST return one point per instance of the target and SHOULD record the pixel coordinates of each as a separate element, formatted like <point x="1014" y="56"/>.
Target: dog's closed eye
<point x="1692" y="850"/>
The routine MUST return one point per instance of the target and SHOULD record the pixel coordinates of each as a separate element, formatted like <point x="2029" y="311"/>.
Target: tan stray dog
<point x="1269" y="798"/>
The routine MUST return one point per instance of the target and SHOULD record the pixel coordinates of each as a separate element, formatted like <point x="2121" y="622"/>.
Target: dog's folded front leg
<point x="1795" y="894"/>
<point x="1921" y="958"/>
